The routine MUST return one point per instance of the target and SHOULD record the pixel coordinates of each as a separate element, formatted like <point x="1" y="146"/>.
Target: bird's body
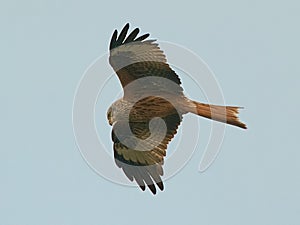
<point x="151" y="90"/>
<point x="147" y="108"/>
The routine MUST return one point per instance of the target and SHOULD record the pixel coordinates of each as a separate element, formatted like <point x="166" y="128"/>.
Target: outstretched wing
<point x="134" y="57"/>
<point x="143" y="166"/>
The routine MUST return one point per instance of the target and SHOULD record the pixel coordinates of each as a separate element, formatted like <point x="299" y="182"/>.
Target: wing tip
<point x="160" y="185"/>
<point x="117" y="41"/>
<point x="143" y="187"/>
<point x="152" y="188"/>
<point x="113" y="40"/>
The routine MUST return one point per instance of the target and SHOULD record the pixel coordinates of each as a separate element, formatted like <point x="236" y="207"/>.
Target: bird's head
<point x="110" y="116"/>
<point x="117" y="111"/>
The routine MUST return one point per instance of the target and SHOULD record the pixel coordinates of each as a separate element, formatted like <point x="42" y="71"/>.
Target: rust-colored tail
<point x="225" y="114"/>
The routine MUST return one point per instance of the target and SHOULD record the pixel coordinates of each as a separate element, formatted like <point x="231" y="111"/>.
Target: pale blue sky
<point x="253" y="49"/>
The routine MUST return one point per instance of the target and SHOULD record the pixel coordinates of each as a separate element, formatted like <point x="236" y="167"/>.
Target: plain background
<point x="252" y="47"/>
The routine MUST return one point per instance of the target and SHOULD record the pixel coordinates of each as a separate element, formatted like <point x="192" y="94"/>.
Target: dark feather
<point x="117" y="41"/>
<point x="123" y="34"/>
<point x="113" y="40"/>
<point x="160" y="185"/>
<point x="143" y="37"/>
<point x="147" y="178"/>
<point x="132" y="36"/>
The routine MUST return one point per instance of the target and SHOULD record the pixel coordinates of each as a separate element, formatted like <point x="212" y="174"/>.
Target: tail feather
<point x="225" y="114"/>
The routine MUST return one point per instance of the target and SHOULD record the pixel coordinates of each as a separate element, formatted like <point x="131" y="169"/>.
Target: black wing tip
<point x="123" y="34"/>
<point x="113" y="40"/>
<point x="152" y="188"/>
<point x="143" y="37"/>
<point x="143" y="187"/>
<point x="117" y="41"/>
<point x="160" y="185"/>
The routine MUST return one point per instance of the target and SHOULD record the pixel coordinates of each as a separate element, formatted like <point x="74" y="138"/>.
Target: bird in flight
<point x="146" y="118"/>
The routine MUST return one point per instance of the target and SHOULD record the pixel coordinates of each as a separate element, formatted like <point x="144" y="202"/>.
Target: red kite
<point x="156" y="92"/>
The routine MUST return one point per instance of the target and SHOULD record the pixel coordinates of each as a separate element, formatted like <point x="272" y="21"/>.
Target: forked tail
<point x="225" y="114"/>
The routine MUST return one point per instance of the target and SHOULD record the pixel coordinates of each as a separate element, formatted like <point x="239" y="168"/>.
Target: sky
<point x="252" y="47"/>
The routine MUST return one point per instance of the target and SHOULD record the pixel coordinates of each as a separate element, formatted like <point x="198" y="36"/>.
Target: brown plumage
<point x="151" y="90"/>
